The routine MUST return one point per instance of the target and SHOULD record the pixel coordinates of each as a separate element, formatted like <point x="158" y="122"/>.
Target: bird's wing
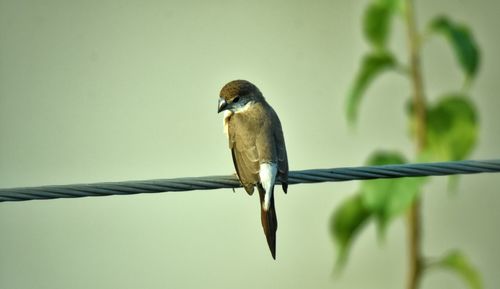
<point x="280" y="151"/>
<point x="245" y="155"/>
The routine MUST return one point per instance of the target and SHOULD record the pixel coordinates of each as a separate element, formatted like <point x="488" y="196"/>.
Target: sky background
<point x="94" y="91"/>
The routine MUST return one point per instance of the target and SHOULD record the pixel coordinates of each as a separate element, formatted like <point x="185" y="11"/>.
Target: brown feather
<point x="244" y="151"/>
<point x="242" y="172"/>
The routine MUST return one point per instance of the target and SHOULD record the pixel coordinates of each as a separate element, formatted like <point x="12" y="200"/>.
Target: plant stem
<point x="414" y="246"/>
<point x="414" y="218"/>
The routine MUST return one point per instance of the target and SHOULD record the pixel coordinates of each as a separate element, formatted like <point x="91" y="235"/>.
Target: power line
<point x="219" y="182"/>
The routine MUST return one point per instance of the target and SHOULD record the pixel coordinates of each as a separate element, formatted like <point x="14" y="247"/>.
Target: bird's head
<point x="237" y="95"/>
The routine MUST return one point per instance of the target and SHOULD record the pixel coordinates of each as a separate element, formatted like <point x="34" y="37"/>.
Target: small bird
<point x="257" y="147"/>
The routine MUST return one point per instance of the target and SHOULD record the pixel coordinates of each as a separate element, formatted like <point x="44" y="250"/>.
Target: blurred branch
<point x="414" y="218"/>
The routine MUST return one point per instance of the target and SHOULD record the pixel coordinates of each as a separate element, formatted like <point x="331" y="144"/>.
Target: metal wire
<point x="219" y="182"/>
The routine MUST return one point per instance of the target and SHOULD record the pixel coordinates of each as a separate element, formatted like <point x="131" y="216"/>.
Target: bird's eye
<point x="236" y="99"/>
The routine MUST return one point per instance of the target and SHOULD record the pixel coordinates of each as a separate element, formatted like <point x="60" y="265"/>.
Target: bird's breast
<point x="227" y="116"/>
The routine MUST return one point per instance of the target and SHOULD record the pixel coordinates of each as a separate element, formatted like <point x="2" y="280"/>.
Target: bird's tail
<point x="269" y="221"/>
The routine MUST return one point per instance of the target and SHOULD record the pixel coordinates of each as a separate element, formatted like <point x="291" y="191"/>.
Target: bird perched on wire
<point x="257" y="147"/>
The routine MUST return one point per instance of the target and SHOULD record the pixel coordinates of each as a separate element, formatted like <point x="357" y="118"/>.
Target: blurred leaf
<point x="388" y="198"/>
<point x="452" y="128"/>
<point x="377" y="22"/>
<point x="458" y="263"/>
<point x="348" y="218"/>
<point x="373" y="64"/>
<point x="462" y="41"/>
<point x="381" y="158"/>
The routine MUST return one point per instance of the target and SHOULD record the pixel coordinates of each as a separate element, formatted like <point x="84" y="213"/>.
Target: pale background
<point x="95" y="91"/>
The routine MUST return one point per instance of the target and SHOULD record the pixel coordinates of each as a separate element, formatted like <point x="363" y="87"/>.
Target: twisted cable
<point x="219" y="182"/>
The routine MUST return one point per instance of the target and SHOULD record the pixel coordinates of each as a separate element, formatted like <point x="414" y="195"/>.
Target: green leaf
<point x="452" y="128"/>
<point x="377" y="22"/>
<point x="388" y="198"/>
<point x="462" y="41"/>
<point x="373" y="64"/>
<point x="458" y="263"/>
<point x="384" y="157"/>
<point x="345" y="223"/>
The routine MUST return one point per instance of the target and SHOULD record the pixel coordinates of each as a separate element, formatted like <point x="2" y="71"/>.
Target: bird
<point x="257" y="147"/>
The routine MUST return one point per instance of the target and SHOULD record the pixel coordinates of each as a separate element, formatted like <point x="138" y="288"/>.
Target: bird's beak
<point x="222" y="105"/>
